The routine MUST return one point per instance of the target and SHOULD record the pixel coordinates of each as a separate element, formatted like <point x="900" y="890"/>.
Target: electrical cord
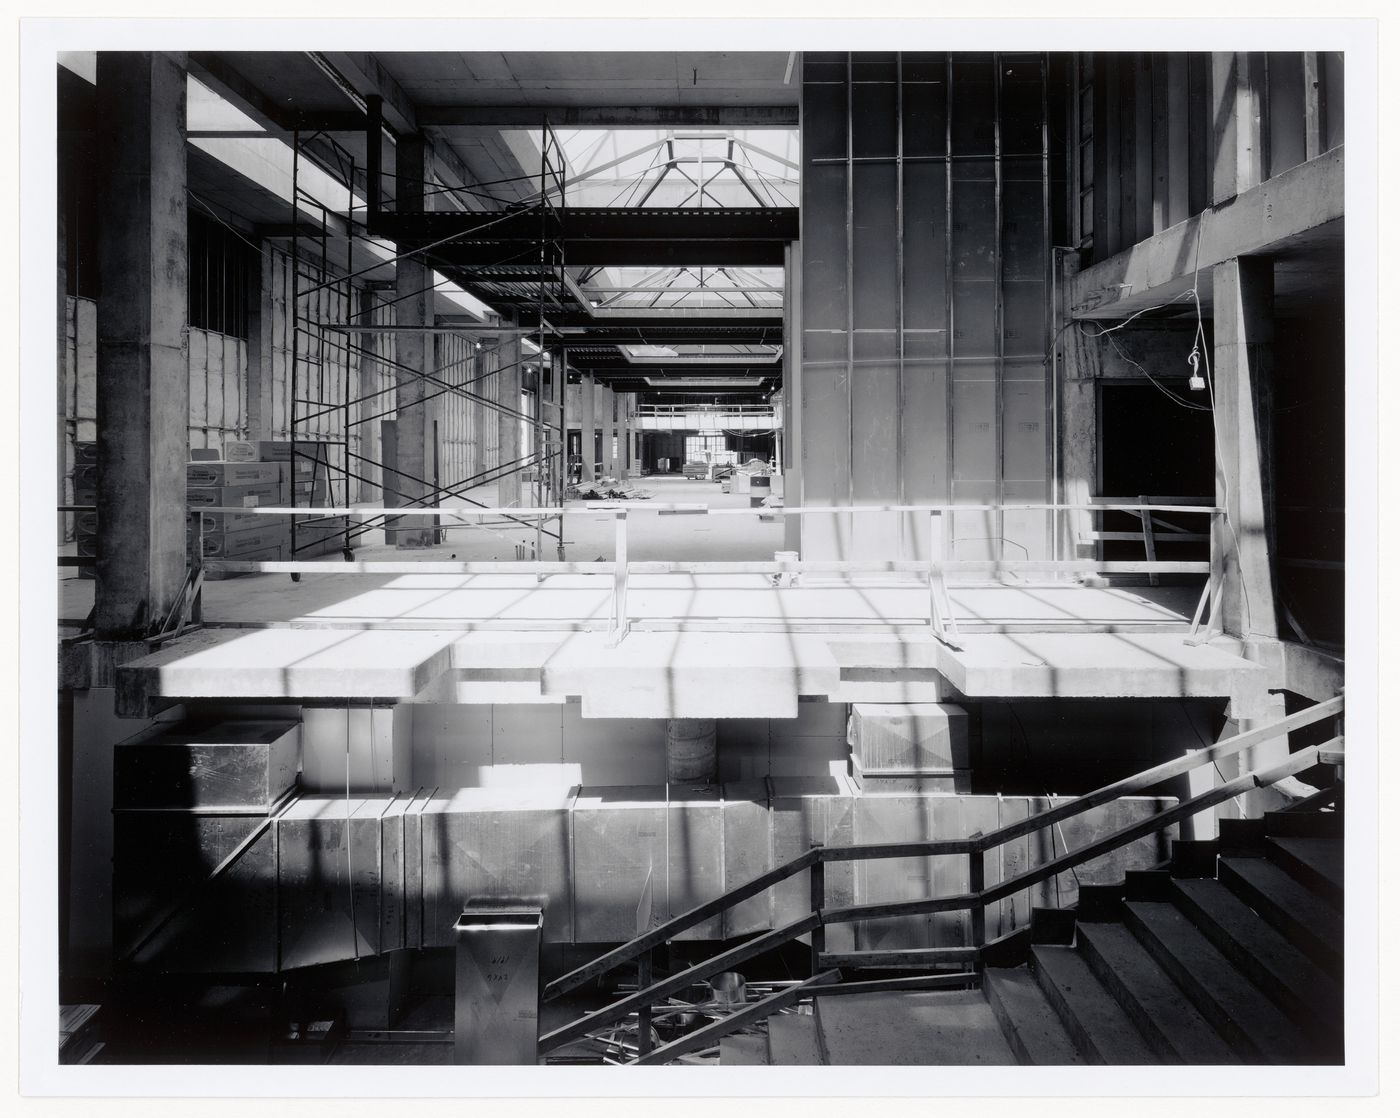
<point x="1179" y="401"/>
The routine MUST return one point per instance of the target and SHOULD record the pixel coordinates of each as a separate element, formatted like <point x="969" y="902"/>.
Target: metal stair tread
<point x="1243" y="1014"/>
<point x="1314" y="923"/>
<point x="793" y="1040"/>
<point x="1258" y="947"/>
<point x="1154" y="996"/>
<point x="1319" y="860"/>
<point x="1088" y="1009"/>
<point x="1029" y="1022"/>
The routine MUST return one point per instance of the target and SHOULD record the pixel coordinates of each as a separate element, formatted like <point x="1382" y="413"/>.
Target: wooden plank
<point x="1108" y="192"/>
<point x="1145" y="145"/>
<point x="1312" y="105"/>
<point x="1161" y="125"/>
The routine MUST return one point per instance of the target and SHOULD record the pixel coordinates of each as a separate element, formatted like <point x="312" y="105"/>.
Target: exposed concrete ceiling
<point x="594" y="78"/>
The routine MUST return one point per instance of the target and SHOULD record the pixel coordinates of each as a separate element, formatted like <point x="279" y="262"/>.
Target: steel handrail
<point x="977" y="900"/>
<point x="972" y="847"/>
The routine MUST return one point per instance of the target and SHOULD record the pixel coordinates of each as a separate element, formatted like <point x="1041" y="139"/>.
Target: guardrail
<point x="942" y="621"/>
<point x="641" y="950"/>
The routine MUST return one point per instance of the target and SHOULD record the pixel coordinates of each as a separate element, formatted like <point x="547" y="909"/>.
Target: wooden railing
<point x="641" y="950"/>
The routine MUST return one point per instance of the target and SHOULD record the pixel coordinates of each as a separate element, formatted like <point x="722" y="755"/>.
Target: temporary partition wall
<point x="924" y="301"/>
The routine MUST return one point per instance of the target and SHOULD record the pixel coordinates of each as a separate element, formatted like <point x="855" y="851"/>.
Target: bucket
<point x="729" y="989"/>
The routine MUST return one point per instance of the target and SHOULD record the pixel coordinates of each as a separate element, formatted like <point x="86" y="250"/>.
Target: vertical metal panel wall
<point x="924" y="310"/>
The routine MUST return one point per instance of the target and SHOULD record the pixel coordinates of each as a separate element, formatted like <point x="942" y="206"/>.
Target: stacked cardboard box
<point x="277" y="479"/>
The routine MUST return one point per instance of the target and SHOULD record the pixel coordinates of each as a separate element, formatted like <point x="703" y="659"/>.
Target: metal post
<point x="818" y="894"/>
<point x="644" y="970"/>
<point x="619" y="625"/>
<point x="976" y="882"/>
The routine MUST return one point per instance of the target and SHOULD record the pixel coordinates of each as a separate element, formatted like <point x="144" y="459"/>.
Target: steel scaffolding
<point x="322" y="349"/>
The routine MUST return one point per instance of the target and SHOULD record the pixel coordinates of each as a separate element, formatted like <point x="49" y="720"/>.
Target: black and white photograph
<point x="828" y="555"/>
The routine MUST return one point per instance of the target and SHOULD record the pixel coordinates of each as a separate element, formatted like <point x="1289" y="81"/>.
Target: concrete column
<point x="143" y="382"/>
<point x="508" y="426"/>
<point x="1078" y="435"/>
<point x="1243" y="357"/>
<point x="792" y="394"/>
<point x="588" y="395"/>
<point x="61" y="352"/>
<point x="624" y="442"/>
<point x="612" y="451"/>
<point x="413" y="307"/>
<point x="691" y="755"/>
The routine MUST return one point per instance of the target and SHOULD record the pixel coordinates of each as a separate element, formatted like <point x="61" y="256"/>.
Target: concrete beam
<point x="609" y="116"/>
<point x="1259" y="221"/>
<point x="143" y="376"/>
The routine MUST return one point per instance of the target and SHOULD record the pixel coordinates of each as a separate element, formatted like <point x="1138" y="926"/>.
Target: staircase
<point x="1232" y="955"/>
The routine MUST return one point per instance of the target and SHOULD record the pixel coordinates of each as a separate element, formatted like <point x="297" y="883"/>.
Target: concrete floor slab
<point x="711" y="645"/>
<point x="1095" y="665"/>
<point x="691" y="675"/>
<point x="284" y="663"/>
